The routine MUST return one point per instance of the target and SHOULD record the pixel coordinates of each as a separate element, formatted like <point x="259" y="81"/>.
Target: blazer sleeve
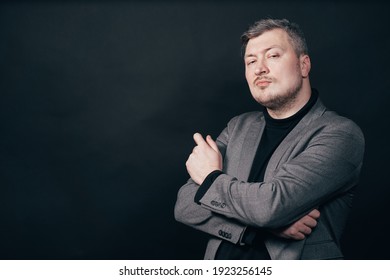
<point x="188" y="212"/>
<point x="328" y="164"/>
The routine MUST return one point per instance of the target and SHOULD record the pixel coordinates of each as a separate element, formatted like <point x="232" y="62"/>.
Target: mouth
<point x="262" y="83"/>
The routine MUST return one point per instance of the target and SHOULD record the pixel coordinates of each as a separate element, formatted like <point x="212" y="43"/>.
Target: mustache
<point x="263" y="79"/>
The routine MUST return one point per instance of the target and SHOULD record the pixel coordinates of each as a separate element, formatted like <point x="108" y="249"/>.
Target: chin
<point x="264" y="98"/>
<point x="273" y="103"/>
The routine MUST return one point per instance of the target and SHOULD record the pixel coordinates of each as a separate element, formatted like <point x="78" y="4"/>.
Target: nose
<point x="261" y="68"/>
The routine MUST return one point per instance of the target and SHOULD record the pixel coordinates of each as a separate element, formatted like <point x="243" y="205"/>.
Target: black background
<point x="99" y="101"/>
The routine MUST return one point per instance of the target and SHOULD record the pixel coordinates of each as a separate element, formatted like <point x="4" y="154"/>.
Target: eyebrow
<point x="264" y="51"/>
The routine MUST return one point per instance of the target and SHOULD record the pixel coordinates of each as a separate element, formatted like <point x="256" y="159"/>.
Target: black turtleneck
<point x="274" y="132"/>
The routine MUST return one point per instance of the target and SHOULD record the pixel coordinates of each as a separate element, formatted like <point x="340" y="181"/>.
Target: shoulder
<point x="331" y="121"/>
<point x="247" y="118"/>
<point x="338" y="135"/>
<point x="321" y="119"/>
<point x="239" y="125"/>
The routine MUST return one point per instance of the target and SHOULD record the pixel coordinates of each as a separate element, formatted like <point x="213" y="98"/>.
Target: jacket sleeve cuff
<point x="204" y="187"/>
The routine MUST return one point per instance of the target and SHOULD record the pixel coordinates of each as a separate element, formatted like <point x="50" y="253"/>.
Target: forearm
<point x="268" y="205"/>
<point x="194" y="215"/>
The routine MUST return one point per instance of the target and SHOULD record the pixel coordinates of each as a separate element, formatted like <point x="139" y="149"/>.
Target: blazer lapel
<point x="249" y="148"/>
<point x="317" y="110"/>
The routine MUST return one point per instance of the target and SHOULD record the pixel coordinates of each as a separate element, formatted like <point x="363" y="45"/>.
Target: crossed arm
<point x="206" y="158"/>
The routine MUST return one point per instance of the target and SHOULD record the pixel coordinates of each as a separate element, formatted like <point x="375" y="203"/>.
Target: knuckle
<point x="189" y="160"/>
<point x="293" y="231"/>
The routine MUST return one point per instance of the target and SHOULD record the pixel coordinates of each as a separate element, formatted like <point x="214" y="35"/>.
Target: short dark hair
<point x="293" y="30"/>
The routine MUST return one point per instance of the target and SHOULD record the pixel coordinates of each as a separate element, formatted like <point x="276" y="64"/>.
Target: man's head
<point x="294" y="32"/>
<point x="277" y="66"/>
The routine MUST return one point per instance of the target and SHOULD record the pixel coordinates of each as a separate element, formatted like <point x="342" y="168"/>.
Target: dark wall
<point x="99" y="101"/>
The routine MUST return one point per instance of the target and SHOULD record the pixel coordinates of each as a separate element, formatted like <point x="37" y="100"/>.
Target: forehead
<point x="269" y="39"/>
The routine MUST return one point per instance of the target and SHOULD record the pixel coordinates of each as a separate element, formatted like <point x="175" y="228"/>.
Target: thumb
<point x="212" y="143"/>
<point x="198" y="139"/>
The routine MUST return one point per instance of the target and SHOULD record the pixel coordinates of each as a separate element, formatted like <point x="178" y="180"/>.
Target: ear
<point x="305" y="65"/>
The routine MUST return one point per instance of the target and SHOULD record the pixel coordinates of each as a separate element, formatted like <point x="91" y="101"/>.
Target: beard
<point x="281" y="101"/>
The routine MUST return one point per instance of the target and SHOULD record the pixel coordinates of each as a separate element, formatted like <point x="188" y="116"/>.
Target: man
<point x="259" y="188"/>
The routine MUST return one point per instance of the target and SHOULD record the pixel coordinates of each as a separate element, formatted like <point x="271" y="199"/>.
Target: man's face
<point x="273" y="70"/>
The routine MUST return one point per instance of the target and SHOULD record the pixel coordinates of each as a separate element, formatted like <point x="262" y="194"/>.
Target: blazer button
<point x="225" y="234"/>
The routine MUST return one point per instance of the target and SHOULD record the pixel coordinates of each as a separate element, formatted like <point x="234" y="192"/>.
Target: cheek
<point x="248" y="76"/>
<point x="289" y="73"/>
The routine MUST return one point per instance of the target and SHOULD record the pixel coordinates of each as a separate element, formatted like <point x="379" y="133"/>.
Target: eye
<point x="249" y="62"/>
<point x="274" y="55"/>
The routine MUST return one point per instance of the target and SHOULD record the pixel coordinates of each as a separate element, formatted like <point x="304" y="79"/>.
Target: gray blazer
<point x="316" y="165"/>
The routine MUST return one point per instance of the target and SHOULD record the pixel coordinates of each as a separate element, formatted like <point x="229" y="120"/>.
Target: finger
<point x="198" y="138"/>
<point x="212" y="143"/>
<point x="299" y="236"/>
<point x="315" y="214"/>
<point x="309" y="221"/>
<point x="305" y="230"/>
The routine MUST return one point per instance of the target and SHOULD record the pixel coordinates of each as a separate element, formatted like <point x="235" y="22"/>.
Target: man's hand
<point x="204" y="159"/>
<point x="300" y="228"/>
